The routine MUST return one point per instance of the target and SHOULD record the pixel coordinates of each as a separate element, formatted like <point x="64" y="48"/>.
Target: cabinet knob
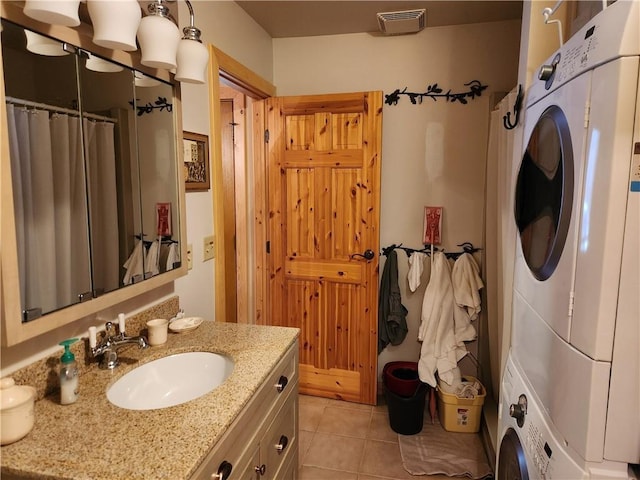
<point x="282" y="383"/>
<point x="284" y="441"/>
<point x="224" y="470"/>
<point x="261" y="470"/>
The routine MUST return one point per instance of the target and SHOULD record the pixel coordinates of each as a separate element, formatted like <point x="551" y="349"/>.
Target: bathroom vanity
<point x="244" y="429"/>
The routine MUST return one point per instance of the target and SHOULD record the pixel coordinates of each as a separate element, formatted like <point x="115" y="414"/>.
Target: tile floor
<point x="348" y="441"/>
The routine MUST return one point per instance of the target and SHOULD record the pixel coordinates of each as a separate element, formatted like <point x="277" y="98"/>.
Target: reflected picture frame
<point x="196" y="162"/>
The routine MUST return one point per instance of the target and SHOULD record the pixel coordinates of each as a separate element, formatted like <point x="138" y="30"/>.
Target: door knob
<point x="367" y="254"/>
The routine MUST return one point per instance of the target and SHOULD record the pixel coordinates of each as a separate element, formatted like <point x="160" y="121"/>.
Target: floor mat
<point x="435" y="451"/>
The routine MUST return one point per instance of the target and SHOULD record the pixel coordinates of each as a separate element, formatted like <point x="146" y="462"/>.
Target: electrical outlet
<point x="189" y="256"/>
<point x="208" y="248"/>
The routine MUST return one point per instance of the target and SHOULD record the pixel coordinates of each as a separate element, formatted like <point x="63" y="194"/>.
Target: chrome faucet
<point x="111" y="341"/>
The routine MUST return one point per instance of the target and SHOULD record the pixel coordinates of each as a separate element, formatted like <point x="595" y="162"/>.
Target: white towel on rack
<point x="440" y="349"/>
<point x="416" y="266"/>
<point x="134" y="263"/>
<point x="153" y="257"/>
<point x="172" y="256"/>
<point x="467" y="284"/>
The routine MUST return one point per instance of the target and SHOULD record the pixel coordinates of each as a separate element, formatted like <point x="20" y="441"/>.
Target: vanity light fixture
<point x="158" y="37"/>
<point x="98" y="64"/>
<point x="42" y="45"/>
<point x="193" y="56"/>
<point x="54" y="12"/>
<point x="115" y="24"/>
<point x="142" y="80"/>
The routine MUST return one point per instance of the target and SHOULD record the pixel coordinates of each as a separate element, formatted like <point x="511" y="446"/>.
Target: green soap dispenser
<point x="68" y="374"/>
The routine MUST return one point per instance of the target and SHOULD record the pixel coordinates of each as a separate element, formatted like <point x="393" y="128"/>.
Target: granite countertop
<point x="93" y="439"/>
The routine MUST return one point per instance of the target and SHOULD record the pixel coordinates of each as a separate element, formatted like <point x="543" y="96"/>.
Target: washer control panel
<point x="539" y="450"/>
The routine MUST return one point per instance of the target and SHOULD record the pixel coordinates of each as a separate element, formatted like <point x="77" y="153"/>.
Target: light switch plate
<point x="189" y="256"/>
<point x="208" y="248"/>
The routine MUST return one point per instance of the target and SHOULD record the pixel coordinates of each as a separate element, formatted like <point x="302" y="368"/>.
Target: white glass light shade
<point x="42" y="45"/>
<point x="115" y="23"/>
<point x="142" y="80"/>
<point x="54" y="12"/>
<point x="98" y="64"/>
<point x="159" y="38"/>
<point x="193" y="58"/>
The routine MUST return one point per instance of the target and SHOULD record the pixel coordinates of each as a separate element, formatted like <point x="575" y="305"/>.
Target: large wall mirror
<point x="95" y="186"/>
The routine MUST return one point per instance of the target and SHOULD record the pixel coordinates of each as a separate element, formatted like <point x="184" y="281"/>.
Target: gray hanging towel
<point x="392" y="322"/>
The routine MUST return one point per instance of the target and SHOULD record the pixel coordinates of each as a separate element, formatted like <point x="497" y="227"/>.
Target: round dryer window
<point x="544" y="193"/>
<point x="512" y="464"/>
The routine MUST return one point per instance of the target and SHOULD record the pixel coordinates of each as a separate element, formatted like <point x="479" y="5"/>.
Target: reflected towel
<point x="172" y="256"/>
<point x="153" y="257"/>
<point x="134" y="264"/>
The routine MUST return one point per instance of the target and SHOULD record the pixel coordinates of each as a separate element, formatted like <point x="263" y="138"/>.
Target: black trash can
<point x="406" y="407"/>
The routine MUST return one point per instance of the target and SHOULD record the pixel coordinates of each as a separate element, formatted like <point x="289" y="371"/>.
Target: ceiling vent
<point x="405" y="21"/>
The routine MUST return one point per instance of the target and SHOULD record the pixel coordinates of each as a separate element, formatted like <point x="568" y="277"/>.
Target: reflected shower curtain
<point x="30" y="147"/>
<point x="100" y="153"/>
<point x="72" y="246"/>
<point x="50" y="203"/>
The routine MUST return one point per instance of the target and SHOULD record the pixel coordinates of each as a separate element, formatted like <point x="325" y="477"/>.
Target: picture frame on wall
<point x="196" y="162"/>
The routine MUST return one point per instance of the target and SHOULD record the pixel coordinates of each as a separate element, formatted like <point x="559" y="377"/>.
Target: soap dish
<point x="185" y="324"/>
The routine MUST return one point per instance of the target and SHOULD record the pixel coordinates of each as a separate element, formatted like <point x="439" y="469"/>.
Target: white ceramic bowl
<point x="185" y="324"/>
<point x="16" y="410"/>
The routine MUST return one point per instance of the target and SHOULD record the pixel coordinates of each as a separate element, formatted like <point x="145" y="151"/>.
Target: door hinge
<point x="571" y="302"/>
<point x="268" y="246"/>
<point x="266" y="136"/>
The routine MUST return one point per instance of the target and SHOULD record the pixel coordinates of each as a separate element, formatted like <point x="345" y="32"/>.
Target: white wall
<point x="433" y="153"/>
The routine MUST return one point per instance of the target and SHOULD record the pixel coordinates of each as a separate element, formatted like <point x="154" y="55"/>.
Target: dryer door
<point x="548" y="203"/>
<point x="512" y="464"/>
<point x="544" y="193"/>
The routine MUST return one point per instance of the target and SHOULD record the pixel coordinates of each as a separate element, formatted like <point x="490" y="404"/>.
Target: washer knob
<point x="545" y="72"/>
<point x="516" y="411"/>
<point x="519" y="410"/>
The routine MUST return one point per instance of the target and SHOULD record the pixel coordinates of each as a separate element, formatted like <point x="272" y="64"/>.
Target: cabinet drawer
<point x="280" y="440"/>
<point x="282" y="381"/>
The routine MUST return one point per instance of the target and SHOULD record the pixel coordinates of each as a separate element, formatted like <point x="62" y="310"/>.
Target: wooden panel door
<point x="324" y="154"/>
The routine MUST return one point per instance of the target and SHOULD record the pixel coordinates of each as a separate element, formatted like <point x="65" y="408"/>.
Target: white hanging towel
<point x="134" y="263"/>
<point x="467" y="283"/>
<point x="172" y="256"/>
<point x="153" y="257"/>
<point x="416" y="266"/>
<point x="440" y="350"/>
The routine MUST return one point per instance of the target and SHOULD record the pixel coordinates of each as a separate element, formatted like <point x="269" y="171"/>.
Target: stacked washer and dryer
<point x="570" y="395"/>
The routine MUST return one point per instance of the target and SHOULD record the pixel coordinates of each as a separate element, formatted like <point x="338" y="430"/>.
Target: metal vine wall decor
<point x="434" y="92"/>
<point x="160" y="104"/>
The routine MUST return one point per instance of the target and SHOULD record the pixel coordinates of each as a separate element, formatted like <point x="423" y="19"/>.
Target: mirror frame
<point x="13" y="330"/>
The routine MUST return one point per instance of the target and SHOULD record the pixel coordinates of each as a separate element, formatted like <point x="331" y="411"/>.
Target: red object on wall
<point x="163" y="212"/>
<point x="432" y="225"/>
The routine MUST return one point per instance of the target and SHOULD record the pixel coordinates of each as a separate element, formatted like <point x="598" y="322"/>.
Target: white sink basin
<point x="170" y="381"/>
